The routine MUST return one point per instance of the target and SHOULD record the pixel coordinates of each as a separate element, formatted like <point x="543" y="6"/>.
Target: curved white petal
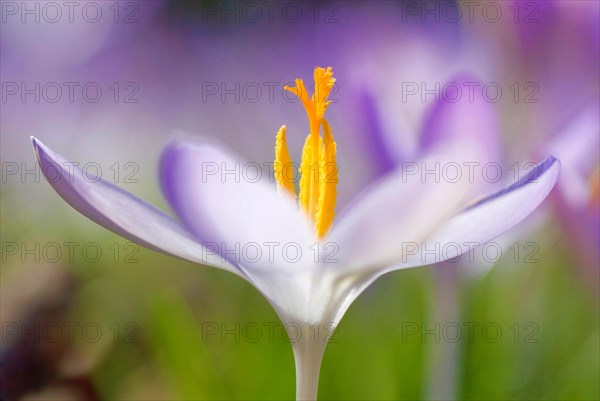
<point x="485" y="220"/>
<point x="240" y="212"/>
<point x="244" y="219"/>
<point x="121" y="212"/>
<point x="408" y="205"/>
<point x="335" y="290"/>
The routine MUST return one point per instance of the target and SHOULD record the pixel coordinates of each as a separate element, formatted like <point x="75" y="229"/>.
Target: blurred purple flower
<point x="577" y="198"/>
<point x="459" y="113"/>
<point x="557" y="45"/>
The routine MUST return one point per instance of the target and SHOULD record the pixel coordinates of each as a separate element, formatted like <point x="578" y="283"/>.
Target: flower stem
<point x="308" y="354"/>
<point x="445" y="363"/>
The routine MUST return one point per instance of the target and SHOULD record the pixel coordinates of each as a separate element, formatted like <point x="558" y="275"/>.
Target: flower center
<point x="318" y="169"/>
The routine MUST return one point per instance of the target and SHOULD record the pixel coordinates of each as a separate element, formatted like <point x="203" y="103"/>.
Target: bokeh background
<point x="86" y="315"/>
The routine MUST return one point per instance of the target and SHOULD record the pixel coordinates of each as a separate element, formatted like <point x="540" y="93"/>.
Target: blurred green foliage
<point x="548" y="347"/>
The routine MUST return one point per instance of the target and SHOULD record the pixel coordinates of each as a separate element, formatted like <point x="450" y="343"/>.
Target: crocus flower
<point x="331" y="262"/>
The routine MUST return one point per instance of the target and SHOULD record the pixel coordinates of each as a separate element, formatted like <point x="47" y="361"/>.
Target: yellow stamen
<point x="283" y="167"/>
<point x="324" y="82"/>
<point x="309" y="176"/>
<point x="328" y="183"/>
<point x="318" y="171"/>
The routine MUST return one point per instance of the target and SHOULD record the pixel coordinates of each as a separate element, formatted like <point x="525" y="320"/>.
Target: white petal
<point x="403" y="207"/>
<point x="121" y="212"/>
<point x="222" y="203"/>
<point x="485" y="220"/>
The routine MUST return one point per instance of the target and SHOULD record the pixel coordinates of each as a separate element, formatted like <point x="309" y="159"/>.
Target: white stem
<point x="308" y="354"/>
